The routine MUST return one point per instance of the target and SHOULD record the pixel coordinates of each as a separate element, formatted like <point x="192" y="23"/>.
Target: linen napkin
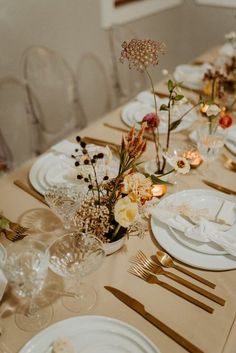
<point x="65" y="147"/>
<point x="146" y="97"/>
<point x="200" y="228"/>
<point x="191" y="73"/>
<point x="227" y="49"/>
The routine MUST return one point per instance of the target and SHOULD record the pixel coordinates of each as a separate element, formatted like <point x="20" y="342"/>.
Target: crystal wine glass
<point x="26" y="269"/>
<point x="63" y="200"/>
<point x="75" y="255"/>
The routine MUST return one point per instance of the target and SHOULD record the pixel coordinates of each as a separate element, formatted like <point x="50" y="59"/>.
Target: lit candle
<point x="159" y="190"/>
<point x="194" y="157"/>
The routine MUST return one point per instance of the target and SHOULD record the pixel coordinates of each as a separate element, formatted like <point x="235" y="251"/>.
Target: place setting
<point x="197" y="228"/>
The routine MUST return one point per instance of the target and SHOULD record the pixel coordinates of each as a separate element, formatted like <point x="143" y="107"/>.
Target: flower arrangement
<point x="141" y="54"/>
<point x="214" y="109"/>
<point x="113" y="206"/>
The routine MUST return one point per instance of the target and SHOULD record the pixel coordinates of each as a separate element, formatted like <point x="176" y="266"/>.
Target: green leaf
<point x="156" y="180"/>
<point x="175" y="124"/>
<point x="170" y="86"/>
<point x="178" y="97"/>
<point x="4" y="224"/>
<point x="164" y="107"/>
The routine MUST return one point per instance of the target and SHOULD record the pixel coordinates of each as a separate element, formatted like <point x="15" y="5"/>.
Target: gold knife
<point x="140" y="309"/>
<point x="30" y="191"/>
<point x="219" y="187"/>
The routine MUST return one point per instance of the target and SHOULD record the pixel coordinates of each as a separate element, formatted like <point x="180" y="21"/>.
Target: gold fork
<point x="140" y="272"/>
<point x="16" y="227"/>
<point x="149" y="265"/>
<point x="12" y="235"/>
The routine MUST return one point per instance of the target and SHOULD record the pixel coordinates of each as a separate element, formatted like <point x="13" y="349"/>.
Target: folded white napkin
<point x="191" y="73"/>
<point x="65" y="147"/>
<point x="146" y="97"/>
<point x="202" y="229"/>
<point x="227" y="49"/>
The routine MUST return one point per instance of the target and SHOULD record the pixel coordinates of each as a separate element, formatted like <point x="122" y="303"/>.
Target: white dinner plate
<point x="134" y="112"/>
<point x="92" y="334"/>
<point x="230" y="142"/>
<point x="197" y="199"/>
<point x="186" y="253"/>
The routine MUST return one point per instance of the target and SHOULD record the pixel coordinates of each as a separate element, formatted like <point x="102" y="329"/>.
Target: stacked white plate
<point x="194" y="253"/>
<point x="134" y="112"/>
<point x="57" y="167"/>
<point x="92" y="334"/>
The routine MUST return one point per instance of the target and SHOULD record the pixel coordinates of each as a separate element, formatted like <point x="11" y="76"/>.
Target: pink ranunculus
<point x="226" y="121"/>
<point x="152" y="121"/>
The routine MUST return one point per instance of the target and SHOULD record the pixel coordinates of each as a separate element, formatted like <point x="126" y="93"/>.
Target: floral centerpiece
<point x="141" y="54"/>
<point x="112" y="207"/>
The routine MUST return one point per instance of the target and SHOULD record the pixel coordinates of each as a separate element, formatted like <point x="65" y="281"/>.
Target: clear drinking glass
<point x="63" y="200"/>
<point x="74" y="255"/>
<point x="210" y="140"/>
<point x="26" y="269"/>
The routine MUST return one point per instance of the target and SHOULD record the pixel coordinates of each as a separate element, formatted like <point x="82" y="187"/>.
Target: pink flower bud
<point x="152" y="121"/>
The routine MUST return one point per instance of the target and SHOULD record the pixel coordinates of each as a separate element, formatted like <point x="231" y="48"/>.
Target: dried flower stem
<point x="156" y="136"/>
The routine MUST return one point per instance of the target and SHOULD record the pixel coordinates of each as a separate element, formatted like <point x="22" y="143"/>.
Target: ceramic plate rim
<point x="187" y="255"/>
<point x="75" y="322"/>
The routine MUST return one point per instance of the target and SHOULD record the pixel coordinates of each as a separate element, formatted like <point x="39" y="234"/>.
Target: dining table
<point x="211" y="332"/>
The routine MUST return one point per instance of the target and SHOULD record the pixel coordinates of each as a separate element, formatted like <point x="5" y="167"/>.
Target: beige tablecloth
<point x="213" y="333"/>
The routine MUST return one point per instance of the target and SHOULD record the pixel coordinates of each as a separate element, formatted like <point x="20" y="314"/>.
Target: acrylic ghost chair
<point x="51" y="88"/>
<point x="127" y="83"/>
<point x="94" y="89"/>
<point x="18" y="136"/>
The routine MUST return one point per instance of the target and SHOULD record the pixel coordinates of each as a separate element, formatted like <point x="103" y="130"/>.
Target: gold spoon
<point x="165" y="260"/>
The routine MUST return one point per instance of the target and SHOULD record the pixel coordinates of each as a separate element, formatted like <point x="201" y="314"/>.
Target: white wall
<point x="73" y="27"/>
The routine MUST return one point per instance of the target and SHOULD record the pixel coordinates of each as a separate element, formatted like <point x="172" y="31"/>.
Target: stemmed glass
<point x="63" y="200"/>
<point x="210" y="140"/>
<point x="26" y="269"/>
<point x="75" y="255"/>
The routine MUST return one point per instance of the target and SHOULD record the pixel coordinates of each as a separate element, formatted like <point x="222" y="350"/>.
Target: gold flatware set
<point x="135" y="305"/>
<point x="141" y="261"/>
<point x="149" y="269"/>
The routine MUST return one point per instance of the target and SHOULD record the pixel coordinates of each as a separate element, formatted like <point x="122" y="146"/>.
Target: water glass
<point x="26" y="269"/>
<point x="74" y="255"/>
<point x="210" y="140"/>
